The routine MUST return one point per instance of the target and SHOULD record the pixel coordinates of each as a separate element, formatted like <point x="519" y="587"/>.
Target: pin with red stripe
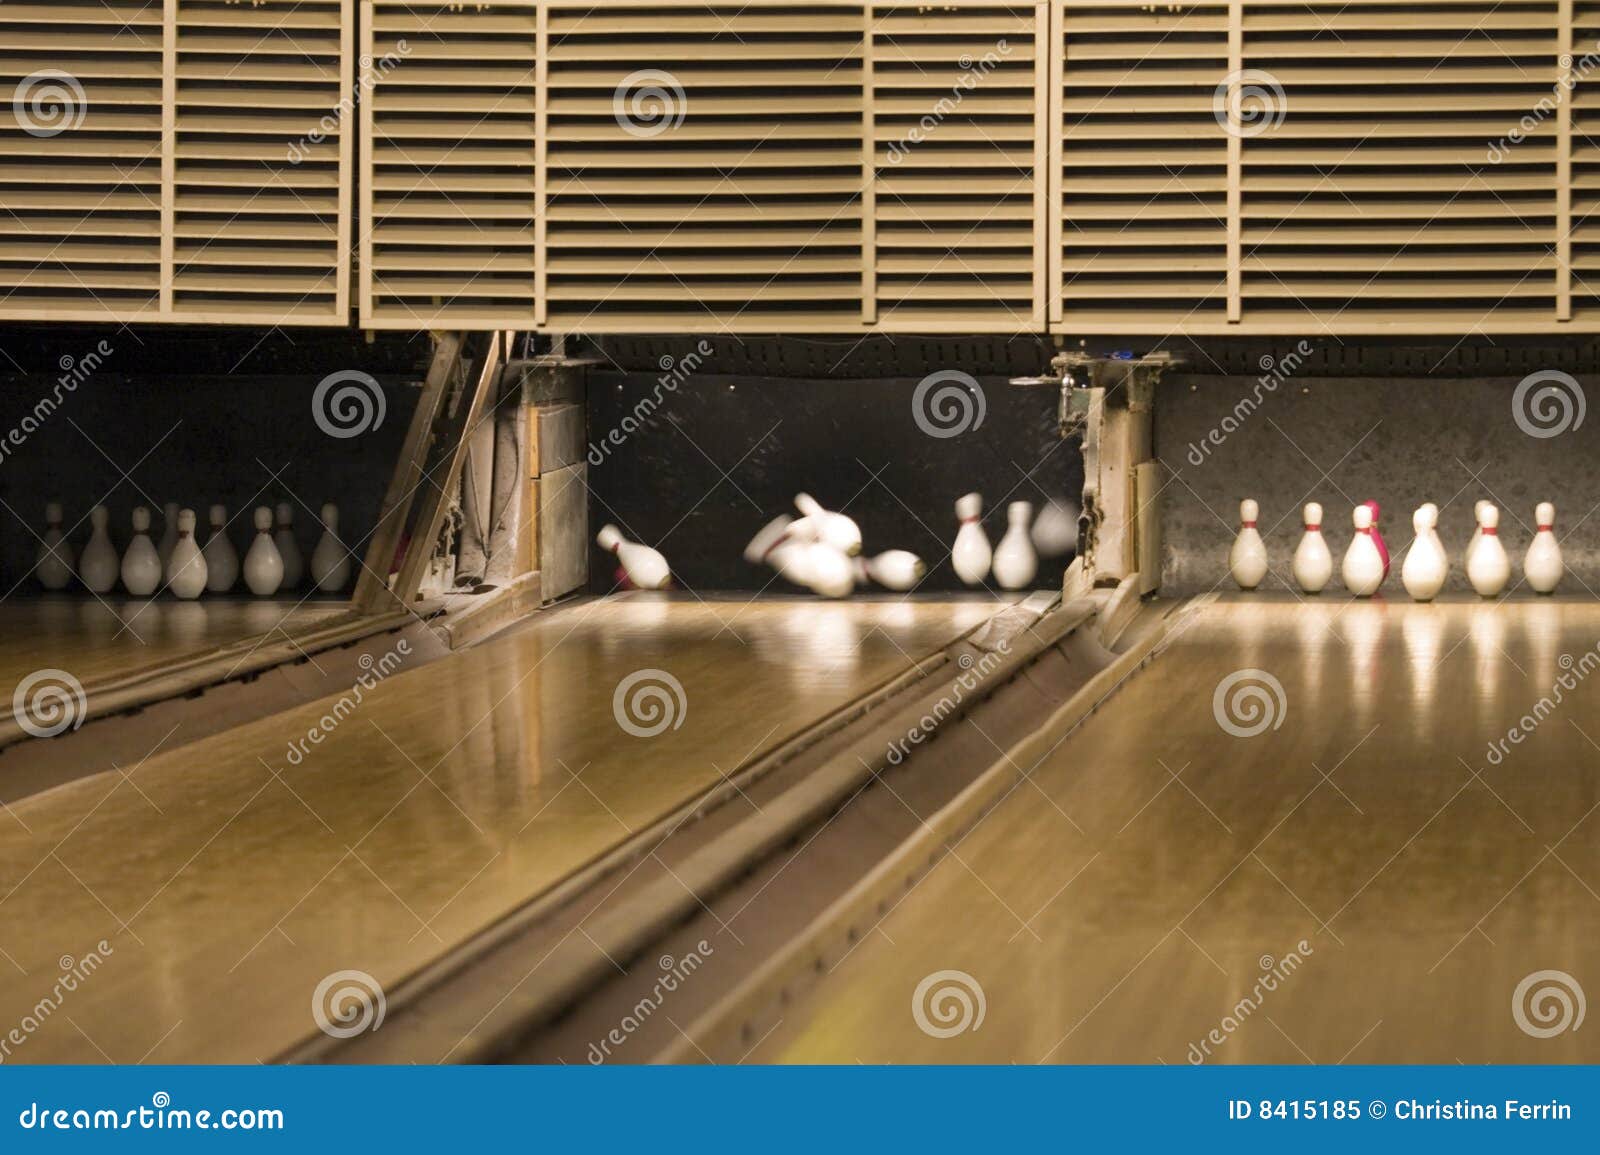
<point x="1542" y="565"/>
<point x="1313" y="564"/>
<point x="1247" y="561"/>
<point x="1490" y="568"/>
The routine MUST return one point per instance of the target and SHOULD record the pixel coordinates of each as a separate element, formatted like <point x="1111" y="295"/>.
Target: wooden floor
<point x="1395" y="881"/>
<point x="95" y="639"/>
<point x="229" y="878"/>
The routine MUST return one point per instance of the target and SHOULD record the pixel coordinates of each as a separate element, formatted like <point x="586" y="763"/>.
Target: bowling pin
<point x="1363" y="566"/>
<point x="1542" y="564"/>
<point x="805" y="562"/>
<point x="222" y="560"/>
<point x="1489" y="569"/>
<point x="1426" y="565"/>
<point x="54" y="567"/>
<point x="330" y="561"/>
<point x="819" y="524"/>
<point x="141" y="563"/>
<point x="186" y="565"/>
<point x="1247" y="560"/>
<point x="99" y="565"/>
<point x="645" y="567"/>
<point x="1313" y="563"/>
<point x="971" y="554"/>
<point x="263" y="564"/>
<point x="1015" y="563"/>
<point x="895" y="569"/>
<point x="1477" y="533"/>
<point x="169" y="533"/>
<point x="1055" y="530"/>
<point x="1377" y="537"/>
<point x="294" y="565"/>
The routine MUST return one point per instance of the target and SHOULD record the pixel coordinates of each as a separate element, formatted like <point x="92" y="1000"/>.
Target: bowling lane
<point x="1360" y="881"/>
<point x="95" y="639"/>
<point x="228" y="878"/>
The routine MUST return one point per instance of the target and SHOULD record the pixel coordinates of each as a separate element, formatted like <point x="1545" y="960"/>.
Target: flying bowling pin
<point x="141" y="564"/>
<point x="99" y="565"/>
<point x="186" y="565"/>
<point x="834" y="529"/>
<point x="1426" y="565"/>
<point x="819" y="567"/>
<point x="1055" y="530"/>
<point x="54" y="568"/>
<point x="1490" y="568"/>
<point x="294" y="566"/>
<point x="1313" y="563"/>
<point x="263" y="564"/>
<point x="895" y="569"/>
<point x="645" y="567"/>
<point x="1362" y="569"/>
<point x="1542" y="564"/>
<point x="330" y="561"/>
<point x="169" y="533"/>
<point x="1377" y="536"/>
<point x="971" y="554"/>
<point x="1477" y="532"/>
<point x="1014" y="561"/>
<point x="222" y="560"/>
<point x="1247" y="560"/>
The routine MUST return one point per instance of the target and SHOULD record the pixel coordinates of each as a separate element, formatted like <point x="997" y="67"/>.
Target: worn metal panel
<point x="563" y="530"/>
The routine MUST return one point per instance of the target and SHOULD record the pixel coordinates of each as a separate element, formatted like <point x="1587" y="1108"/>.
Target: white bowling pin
<point x="169" y="533"/>
<point x="330" y="561"/>
<point x="99" y="565"/>
<point x="1362" y="569"/>
<point x="1247" y="560"/>
<point x="1477" y="533"/>
<point x="141" y="563"/>
<point x="186" y="565"/>
<point x="1426" y="565"/>
<point x="263" y="564"/>
<point x="804" y="561"/>
<point x="829" y="571"/>
<point x="1313" y="563"/>
<point x="1055" y="530"/>
<point x="294" y="566"/>
<point x="645" y="567"/>
<point x="54" y="567"/>
<point x="1015" y="563"/>
<point x="222" y="560"/>
<point x="1542" y="565"/>
<point x="971" y="554"/>
<point x="1490" y="568"/>
<point x="819" y="524"/>
<point x="895" y="569"/>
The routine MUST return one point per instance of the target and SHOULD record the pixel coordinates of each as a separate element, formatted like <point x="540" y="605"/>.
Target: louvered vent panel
<point x="262" y="145"/>
<point x="959" y="195"/>
<point x="80" y="169"/>
<point x="1583" y="101"/>
<point x="1376" y="201"/>
<point x="704" y="167"/>
<point x="1144" y="166"/>
<point x="450" y="190"/>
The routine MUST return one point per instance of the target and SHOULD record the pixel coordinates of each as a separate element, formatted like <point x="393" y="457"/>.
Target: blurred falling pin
<point x="805" y="562"/>
<point x="1542" y="565"/>
<point x="646" y="568"/>
<point x="1055" y="530"/>
<point x="1247" y="560"/>
<point x="895" y="569"/>
<point x="819" y="524"/>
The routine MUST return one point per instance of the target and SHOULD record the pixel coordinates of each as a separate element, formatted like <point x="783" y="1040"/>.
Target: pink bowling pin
<point x="1377" y="537"/>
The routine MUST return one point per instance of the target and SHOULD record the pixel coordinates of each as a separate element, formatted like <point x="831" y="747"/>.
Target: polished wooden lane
<point x="1362" y="881"/>
<point x="230" y="877"/>
<point x="94" y="639"/>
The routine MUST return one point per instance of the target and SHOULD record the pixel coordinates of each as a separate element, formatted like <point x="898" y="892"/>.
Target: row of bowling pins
<point x="1015" y="561"/>
<point x="181" y="565"/>
<point x="1427" y="565"/>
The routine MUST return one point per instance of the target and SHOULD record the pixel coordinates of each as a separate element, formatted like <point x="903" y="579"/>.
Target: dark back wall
<point x="725" y="453"/>
<point x="1400" y="442"/>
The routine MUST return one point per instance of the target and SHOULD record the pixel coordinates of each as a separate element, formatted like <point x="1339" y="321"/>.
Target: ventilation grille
<point x="186" y="162"/>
